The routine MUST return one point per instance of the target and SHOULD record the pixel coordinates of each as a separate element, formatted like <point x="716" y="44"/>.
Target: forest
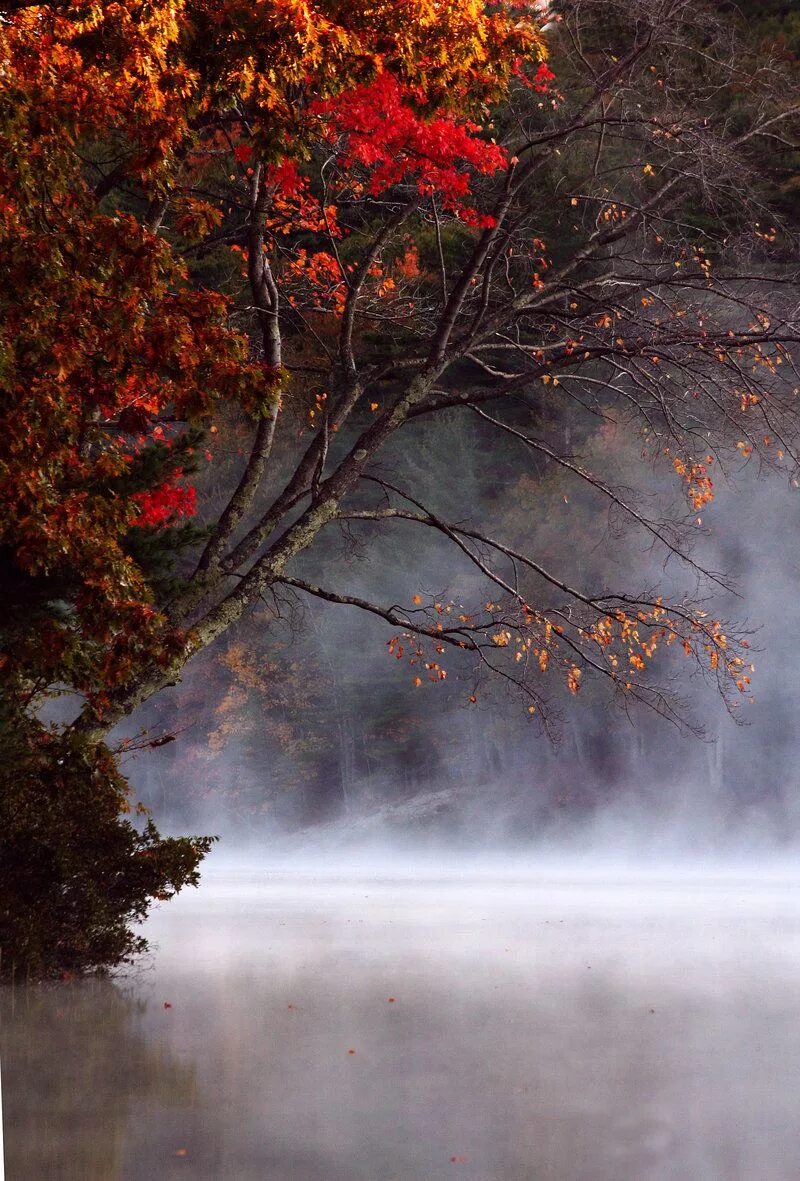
<point x="384" y="387"/>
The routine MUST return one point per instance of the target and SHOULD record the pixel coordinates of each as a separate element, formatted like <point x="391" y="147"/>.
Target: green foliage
<point x="156" y="551"/>
<point x="160" y="460"/>
<point x="776" y="21"/>
<point x="75" y="873"/>
<point x="773" y="28"/>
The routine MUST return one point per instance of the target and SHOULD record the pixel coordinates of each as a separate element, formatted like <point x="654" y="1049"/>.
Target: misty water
<point x="508" y="1020"/>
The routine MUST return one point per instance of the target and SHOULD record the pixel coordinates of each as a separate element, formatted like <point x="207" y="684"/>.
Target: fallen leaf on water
<point x="391" y="1000"/>
<point x="351" y="1051"/>
<point x="181" y="1152"/>
<point x="167" y="1005"/>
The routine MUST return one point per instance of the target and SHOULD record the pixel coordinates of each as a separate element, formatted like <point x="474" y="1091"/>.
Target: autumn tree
<point x="341" y="223"/>
<point x="113" y="120"/>
<point x="601" y="242"/>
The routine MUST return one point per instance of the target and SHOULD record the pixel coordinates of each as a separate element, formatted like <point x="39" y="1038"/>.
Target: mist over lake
<point x="399" y="659"/>
<point x="426" y="1021"/>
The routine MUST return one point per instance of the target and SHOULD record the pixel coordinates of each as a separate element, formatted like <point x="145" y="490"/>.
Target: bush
<point x="75" y="873"/>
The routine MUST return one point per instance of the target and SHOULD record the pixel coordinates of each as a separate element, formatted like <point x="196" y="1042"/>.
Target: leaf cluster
<point x="76" y="874"/>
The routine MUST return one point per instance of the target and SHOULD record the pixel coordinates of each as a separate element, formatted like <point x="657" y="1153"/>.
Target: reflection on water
<point x="74" y="1061"/>
<point x="539" y="1031"/>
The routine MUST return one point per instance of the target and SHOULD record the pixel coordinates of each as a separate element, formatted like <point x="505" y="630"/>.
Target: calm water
<point x="584" y="1029"/>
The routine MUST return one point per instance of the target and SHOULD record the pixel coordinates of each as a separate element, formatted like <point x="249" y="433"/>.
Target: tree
<point x="412" y="219"/>
<point x="109" y="117"/>
<point x="75" y="872"/>
<point x="401" y="273"/>
<point x="104" y="334"/>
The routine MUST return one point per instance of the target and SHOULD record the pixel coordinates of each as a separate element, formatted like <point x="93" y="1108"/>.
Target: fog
<point x="355" y="755"/>
<point x="485" y="1020"/>
<point x="433" y="943"/>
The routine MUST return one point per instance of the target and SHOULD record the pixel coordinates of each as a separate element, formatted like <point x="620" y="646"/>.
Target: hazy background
<point x="301" y="727"/>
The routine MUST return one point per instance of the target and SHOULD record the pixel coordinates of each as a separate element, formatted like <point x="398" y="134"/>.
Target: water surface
<point x="379" y="1027"/>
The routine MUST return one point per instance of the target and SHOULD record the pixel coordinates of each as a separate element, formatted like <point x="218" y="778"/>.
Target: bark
<point x="267" y="569"/>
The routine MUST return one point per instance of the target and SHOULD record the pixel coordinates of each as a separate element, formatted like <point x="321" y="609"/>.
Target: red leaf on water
<point x="167" y="1005"/>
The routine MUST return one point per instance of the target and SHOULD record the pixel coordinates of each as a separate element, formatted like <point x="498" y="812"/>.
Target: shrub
<point x="75" y="873"/>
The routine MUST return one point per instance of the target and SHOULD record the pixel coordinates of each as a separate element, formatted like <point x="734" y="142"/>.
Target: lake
<point x="424" y="1023"/>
